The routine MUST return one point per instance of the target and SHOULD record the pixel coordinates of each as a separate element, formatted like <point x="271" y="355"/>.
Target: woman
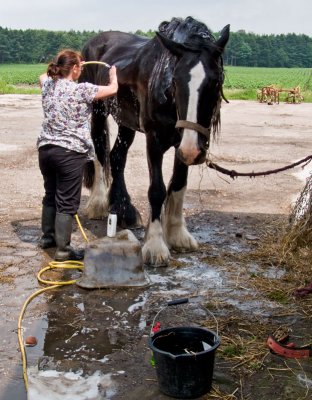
<point x="65" y="145"/>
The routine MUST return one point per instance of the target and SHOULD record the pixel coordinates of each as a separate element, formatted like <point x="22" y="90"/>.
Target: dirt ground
<point x="107" y="330"/>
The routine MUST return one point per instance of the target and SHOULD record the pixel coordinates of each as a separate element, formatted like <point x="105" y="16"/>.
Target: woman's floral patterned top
<point x="67" y="108"/>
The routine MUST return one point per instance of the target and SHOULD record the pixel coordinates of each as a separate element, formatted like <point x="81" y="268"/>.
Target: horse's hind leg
<point x="97" y="204"/>
<point x="119" y="199"/>
<point x="98" y="179"/>
<point x="175" y="230"/>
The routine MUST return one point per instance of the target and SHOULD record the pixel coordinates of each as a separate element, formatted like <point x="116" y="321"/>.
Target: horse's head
<point x="196" y="86"/>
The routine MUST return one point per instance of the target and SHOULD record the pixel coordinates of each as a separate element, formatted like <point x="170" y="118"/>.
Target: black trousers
<point x="62" y="172"/>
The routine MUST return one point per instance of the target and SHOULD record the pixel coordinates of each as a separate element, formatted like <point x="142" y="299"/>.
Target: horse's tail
<point x="88" y="174"/>
<point x="101" y="141"/>
<point x="89" y="168"/>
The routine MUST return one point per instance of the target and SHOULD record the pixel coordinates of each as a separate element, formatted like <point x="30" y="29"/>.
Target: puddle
<point x="55" y="385"/>
<point x="90" y="326"/>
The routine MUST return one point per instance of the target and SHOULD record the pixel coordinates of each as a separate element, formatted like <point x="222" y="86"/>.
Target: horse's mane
<point x="190" y="33"/>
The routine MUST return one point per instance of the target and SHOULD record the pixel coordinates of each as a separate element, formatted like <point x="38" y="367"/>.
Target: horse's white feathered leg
<point x="97" y="205"/>
<point x="175" y="230"/>
<point x="155" y="251"/>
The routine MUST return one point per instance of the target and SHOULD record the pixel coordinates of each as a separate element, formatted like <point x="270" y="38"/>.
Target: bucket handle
<point x="178" y="302"/>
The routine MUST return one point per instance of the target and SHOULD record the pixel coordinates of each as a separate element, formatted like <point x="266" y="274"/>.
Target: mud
<point x="94" y="344"/>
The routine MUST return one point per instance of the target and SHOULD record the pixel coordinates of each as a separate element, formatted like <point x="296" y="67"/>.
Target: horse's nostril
<point x="180" y="156"/>
<point x="191" y="158"/>
<point x="201" y="158"/>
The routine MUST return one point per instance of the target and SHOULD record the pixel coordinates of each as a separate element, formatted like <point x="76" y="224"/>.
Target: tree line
<point x="244" y="49"/>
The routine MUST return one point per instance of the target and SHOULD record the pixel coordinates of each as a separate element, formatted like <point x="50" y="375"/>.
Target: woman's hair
<point x="62" y="64"/>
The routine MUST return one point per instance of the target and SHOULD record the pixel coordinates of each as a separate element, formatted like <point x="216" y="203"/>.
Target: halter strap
<point x="194" y="126"/>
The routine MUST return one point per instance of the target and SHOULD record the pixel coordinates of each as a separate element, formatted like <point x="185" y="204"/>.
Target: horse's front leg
<point x="175" y="230"/>
<point x="119" y="199"/>
<point x="155" y="250"/>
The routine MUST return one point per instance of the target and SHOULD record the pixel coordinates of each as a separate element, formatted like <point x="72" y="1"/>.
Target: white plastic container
<point x="111" y="225"/>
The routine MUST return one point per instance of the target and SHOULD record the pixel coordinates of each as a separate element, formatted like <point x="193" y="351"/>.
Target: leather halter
<point x="194" y="126"/>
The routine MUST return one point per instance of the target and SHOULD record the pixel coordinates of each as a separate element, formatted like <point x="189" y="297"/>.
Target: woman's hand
<point x="111" y="88"/>
<point x="113" y="75"/>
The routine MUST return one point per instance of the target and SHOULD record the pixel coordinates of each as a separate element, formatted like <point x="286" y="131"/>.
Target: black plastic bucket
<point x="184" y="360"/>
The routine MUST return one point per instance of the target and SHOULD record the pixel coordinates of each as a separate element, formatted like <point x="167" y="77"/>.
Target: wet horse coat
<point x="170" y="88"/>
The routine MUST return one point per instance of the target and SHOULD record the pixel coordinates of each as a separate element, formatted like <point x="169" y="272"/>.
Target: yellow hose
<point x="95" y="62"/>
<point x="81" y="229"/>
<point x="19" y="330"/>
<point x="70" y="264"/>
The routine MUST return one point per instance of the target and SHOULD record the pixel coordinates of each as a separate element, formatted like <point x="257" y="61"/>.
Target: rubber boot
<point x="47" y="240"/>
<point x="63" y="231"/>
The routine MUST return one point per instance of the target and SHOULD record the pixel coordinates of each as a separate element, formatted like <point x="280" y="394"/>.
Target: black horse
<point x="170" y="88"/>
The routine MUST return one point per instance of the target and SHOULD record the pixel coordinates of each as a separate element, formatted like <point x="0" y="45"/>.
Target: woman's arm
<point x="111" y="88"/>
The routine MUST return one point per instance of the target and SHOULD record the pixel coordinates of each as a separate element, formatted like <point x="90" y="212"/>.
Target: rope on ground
<point x="234" y="174"/>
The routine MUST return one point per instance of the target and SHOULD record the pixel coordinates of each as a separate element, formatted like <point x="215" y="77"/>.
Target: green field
<point x="243" y="82"/>
<point x="240" y="82"/>
<point x="20" y="78"/>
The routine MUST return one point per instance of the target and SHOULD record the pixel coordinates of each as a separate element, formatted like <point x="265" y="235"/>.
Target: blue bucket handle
<point x="177" y="302"/>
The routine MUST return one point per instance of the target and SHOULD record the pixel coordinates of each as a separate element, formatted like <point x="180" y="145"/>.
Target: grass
<point x="241" y="83"/>
<point x="251" y="94"/>
<point x="20" y="78"/>
<point x="12" y="89"/>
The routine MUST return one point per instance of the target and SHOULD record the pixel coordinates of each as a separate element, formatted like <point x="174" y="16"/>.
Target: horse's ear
<point x="175" y="48"/>
<point x="223" y="39"/>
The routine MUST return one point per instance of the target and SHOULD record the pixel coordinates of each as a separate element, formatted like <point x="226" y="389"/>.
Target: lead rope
<point x="234" y="174"/>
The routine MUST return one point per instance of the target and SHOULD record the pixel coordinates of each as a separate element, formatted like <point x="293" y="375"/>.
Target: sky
<point x="257" y="16"/>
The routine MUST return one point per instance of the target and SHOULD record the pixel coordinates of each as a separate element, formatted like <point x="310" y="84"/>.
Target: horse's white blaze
<point x="155" y="251"/>
<point x="189" y="147"/>
<point x="97" y="205"/>
<point x="175" y="230"/>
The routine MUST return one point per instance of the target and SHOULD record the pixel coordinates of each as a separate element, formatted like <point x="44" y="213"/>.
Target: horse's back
<point x="116" y="48"/>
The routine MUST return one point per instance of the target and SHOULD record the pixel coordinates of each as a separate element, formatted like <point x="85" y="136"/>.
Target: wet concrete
<point x="101" y="336"/>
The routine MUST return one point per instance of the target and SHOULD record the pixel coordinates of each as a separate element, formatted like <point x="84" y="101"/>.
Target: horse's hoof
<point x="181" y="240"/>
<point x="126" y="224"/>
<point x="157" y="257"/>
<point x="156" y="264"/>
